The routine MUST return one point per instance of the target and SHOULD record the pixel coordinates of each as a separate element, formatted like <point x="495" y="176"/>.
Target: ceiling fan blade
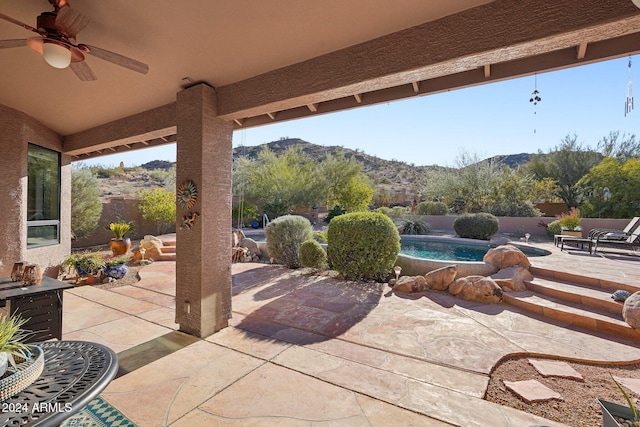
<point x="70" y="21"/>
<point x="116" y="58"/>
<point x="21" y="24"/>
<point x="83" y="71"/>
<point x="4" y="44"/>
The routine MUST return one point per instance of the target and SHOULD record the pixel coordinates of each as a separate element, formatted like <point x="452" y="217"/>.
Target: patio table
<point x="74" y="373"/>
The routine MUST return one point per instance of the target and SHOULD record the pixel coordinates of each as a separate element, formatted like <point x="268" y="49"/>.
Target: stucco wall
<point x="519" y="226"/>
<point x="18" y="130"/>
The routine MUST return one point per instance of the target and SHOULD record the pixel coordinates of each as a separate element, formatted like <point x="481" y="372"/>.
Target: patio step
<point x="168" y="252"/>
<point x="592" y="282"/>
<point x="576" y="293"/>
<point x="562" y="309"/>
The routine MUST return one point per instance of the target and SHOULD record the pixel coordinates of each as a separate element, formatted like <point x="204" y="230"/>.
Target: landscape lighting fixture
<point x="56" y="54"/>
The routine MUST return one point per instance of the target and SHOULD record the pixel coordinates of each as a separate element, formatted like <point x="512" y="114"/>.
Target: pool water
<point x="451" y="250"/>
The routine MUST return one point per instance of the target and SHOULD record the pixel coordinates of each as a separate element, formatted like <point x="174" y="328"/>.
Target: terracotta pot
<point x="120" y="246"/>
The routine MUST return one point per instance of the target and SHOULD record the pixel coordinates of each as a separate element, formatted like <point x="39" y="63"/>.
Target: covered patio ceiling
<point x="274" y="60"/>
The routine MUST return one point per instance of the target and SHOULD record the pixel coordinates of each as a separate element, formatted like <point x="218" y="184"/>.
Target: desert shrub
<point x="414" y="224"/>
<point x="553" y="228"/>
<point x="320" y="236"/>
<point x="312" y="255"/>
<point x="399" y="210"/>
<point x="285" y="235"/>
<point x="518" y="209"/>
<point x="363" y="245"/>
<point x="336" y="211"/>
<point x="476" y="226"/>
<point x="384" y="210"/>
<point x="571" y="220"/>
<point x="431" y="208"/>
<point x="275" y="209"/>
<point x="107" y="172"/>
<point x="86" y="207"/>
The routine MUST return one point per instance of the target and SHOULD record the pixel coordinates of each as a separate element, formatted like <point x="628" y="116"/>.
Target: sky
<point x="486" y="120"/>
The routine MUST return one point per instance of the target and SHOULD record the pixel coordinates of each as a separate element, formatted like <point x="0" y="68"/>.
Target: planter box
<point x="610" y="409"/>
<point x="571" y="233"/>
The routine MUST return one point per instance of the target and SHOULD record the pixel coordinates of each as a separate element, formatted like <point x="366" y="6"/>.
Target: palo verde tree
<point x="344" y="184"/>
<point x="566" y="164"/>
<point x="86" y="207"/>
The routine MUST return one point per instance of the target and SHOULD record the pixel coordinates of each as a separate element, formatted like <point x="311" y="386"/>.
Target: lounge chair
<point x="612" y="234"/>
<point x="630" y="242"/>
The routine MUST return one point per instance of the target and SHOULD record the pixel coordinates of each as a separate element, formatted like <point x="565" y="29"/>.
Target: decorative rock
<point x="250" y="244"/>
<point x="555" y="368"/>
<point x="477" y="288"/>
<point x="532" y="391"/>
<point x="631" y="310"/>
<point x="620" y="295"/>
<point x="441" y="278"/>
<point x="409" y="284"/>
<point x="238" y="254"/>
<point x="506" y="256"/>
<point x="152" y="246"/>
<point x="392" y="282"/>
<point x="236" y="236"/>
<point x="513" y="278"/>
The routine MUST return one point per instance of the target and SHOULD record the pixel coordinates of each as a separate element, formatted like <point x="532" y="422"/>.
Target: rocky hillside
<point x="392" y="176"/>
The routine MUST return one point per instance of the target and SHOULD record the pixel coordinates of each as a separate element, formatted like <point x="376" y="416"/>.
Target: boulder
<point x="152" y="246"/>
<point x="238" y="254"/>
<point x="513" y="278"/>
<point x="251" y="245"/>
<point x="477" y="288"/>
<point x="236" y="236"/>
<point x="506" y="256"/>
<point x="410" y="284"/>
<point x="631" y="310"/>
<point x="441" y="278"/>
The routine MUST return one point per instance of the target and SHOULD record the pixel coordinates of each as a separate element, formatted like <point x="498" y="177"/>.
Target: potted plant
<point x="116" y="267"/>
<point x="612" y="412"/>
<point x="119" y="245"/>
<point x="84" y="264"/>
<point x="12" y="341"/>
<point x="570" y="223"/>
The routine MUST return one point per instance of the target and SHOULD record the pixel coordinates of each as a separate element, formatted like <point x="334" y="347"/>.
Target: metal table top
<point x="74" y="373"/>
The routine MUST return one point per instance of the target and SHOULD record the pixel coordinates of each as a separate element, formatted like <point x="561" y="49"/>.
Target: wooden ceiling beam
<point x="581" y="50"/>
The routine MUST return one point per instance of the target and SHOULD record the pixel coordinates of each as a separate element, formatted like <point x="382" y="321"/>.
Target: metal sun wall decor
<point x="535" y="96"/>
<point x="628" y="104"/>
<point x="187" y="196"/>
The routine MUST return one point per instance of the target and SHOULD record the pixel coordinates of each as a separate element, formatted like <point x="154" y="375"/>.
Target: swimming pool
<point x="453" y="249"/>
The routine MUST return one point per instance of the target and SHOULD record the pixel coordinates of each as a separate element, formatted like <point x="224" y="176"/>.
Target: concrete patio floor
<point x="309" y="350"/>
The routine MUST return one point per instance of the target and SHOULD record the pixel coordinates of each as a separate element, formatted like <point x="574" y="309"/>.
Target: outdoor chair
<point x="612" y="234"/>
<point x="630" y="242"/>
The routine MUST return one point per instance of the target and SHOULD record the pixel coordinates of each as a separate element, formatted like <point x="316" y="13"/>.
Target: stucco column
<point x="203" y="265"/>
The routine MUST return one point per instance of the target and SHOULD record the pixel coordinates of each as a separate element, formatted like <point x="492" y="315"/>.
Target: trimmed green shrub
<point x="336" y="211"/>
<point x="285" y="235"/>
<point x="312" y="255"/>
<point x="384" y="210"/>
<point x="518" y="209"/>
<point x="476" y="226"/>
<point x="553" y="228"/>
<point x="414" y="224"/>
<point x="432" y="208"/>
<point x="320" y="236"/>
<point x="363" y="245"/>
<point x="399" y="210"/>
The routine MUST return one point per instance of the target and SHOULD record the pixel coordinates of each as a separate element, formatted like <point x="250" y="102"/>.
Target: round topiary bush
<point x="431" y="208"/>
<point x="553" y="228"/>
<point x="285" y="235"/>
<point x="363" y="245"/>
<point x="476" y="226"/>
<point x="312" y="255"/>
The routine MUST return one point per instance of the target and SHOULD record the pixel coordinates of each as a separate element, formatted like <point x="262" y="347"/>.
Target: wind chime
<point x="535" y="96"/>
<point x="628" y="104"/>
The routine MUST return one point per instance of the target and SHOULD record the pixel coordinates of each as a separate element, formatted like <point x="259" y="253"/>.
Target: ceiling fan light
<point x="56" y="55"/>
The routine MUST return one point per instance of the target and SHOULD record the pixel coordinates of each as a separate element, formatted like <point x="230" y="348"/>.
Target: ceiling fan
<point x="56" y="42"/>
